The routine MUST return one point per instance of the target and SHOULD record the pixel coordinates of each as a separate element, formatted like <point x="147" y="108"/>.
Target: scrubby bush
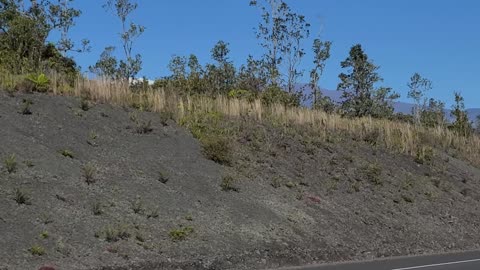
<point x="217" y="148"/>
<point x="21" y="197"/>
<point x="26" y="107"/>
<point x="424" y="155"/>
<point x="37" y="250"/>
<point x="115" y="233"/>
<point x="208" y="129"/>
<point x="11" y="163"/>
<point x="67" y="153"/>
<point x="180" y="234"/>
<point x="373" y="173"/>
<point x="89" y="171"/>
<point x="228" y="184"/>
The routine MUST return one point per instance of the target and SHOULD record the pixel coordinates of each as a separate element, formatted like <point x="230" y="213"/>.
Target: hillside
<point x="91" y="185"/>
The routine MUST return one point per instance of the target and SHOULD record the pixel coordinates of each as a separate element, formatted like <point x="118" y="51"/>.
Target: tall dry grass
<point x="396" y="136"/>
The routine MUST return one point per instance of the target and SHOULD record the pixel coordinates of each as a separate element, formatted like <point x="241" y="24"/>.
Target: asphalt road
<point x="455" y="261"/>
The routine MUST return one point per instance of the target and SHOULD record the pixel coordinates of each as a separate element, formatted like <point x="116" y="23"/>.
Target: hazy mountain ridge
<point x="400" y="106"/>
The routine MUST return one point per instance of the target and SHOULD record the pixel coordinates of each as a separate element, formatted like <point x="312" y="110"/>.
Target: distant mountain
<point x="400" y="107"/>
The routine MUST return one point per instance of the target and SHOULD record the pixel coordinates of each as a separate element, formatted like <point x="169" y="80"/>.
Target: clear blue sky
<point x="438" y="38"/>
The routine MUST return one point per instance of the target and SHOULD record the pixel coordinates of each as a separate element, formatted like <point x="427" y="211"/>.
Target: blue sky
<point x="438" y="38"/>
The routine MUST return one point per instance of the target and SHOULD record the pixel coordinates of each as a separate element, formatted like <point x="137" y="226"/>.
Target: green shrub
<point x="67" y="153"/>
<point x="11" y="163"/>
<point x="84" y="104"/>
<point x="37" y="250"/>
<point x="44" y="235"/>
<point x="180" y="234"/>
<point x="41" y="82"/>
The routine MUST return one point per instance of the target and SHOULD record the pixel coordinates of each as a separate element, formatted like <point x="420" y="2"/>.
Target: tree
<point x="24" y="30"/>
<point x="272" y="33"/>
<point x="178" y="68"/>
<point x="477" y="124"/>
<point x="107" y="65"/>
<point x="297" y="31"/>
<point x="132" y="64"/>
<point x="434" y="114"/>
<point x="195" y="75"/>
<point x="321" y="53"/>
<point x="418" y="86"/>
<point x="221" y="76"/>
<point x="252" y="76"/>
<point x="462" y="124"/>
<point x="358" y="87"/>
<point x="62" y="17"/>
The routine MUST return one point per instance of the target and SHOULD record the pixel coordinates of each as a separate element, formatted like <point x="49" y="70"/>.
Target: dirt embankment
<point x="101" y="187"/>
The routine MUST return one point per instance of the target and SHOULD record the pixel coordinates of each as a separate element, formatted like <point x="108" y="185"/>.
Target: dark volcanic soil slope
<point x="98" y="189"/>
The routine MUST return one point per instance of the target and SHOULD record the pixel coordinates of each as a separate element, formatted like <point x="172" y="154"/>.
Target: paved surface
<point x="456" y="261"/>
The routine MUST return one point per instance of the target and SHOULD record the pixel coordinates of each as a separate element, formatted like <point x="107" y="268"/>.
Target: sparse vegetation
<point x="114" y="233"/>
<point x="26" y="107"/>
<point x="37" y="250"/>
<point x="162" y="177"/>
<point x="424" y="155"/>
<point x="44" y="235"/>
<point x="92" y="138"/>
<point x="29" y="163"/>
<point x="67" y="153"/>
<point x="84" y="104"/>
<point x="208" y="130"/>
<point x="228" y="184"/>
<point x="276" y="182"/>
<point x="138" y="206"/>
<point x="21" y="197"/>
<point x="89" y="172"/>
<point x="153" y="213"/>
<point x="217" y="148"/>
<point x="181" y="233"/>
<point x="11" y="163"/>
<point x="93" y="135"/>
<point x="373" y="173"/>
<point x="97" y="208"/>
<point x="144" y="127"/>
